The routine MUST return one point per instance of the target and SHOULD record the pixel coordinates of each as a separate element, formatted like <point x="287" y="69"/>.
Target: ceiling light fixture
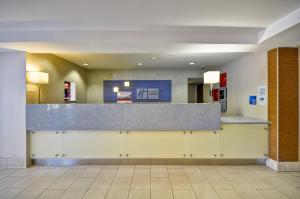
<point x="217" y="48"/>
<point x="154" y="58"/>
<point x="85" y="64"/>
<point x="116" y="89"/>
<point x="126" y="83"/>
<point x="192" y="63"/>
<point x="140" y="64"/>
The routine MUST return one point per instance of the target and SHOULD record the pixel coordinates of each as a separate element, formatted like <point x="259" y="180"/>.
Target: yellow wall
<point x="59" y="71"/>
<point x="95" y="84"/>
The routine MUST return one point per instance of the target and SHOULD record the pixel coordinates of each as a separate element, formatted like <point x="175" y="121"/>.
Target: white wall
<point x="12" y="110"/>
<point x="179" y="81"/>
<point x="243" y="77"/>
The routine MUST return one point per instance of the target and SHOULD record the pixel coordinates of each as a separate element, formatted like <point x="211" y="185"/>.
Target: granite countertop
<point x="242" y="120"/>
<point x="120" y="117"/>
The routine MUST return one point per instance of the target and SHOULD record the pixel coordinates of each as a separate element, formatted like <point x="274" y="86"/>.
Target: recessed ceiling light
<point x="140" y="64"/>
<point x="126" y="83"/>
<point x="85" y="64"/>
<point x="116" y="89"/>
<point x="154" y="58"/>
<point x="191" y="63"/>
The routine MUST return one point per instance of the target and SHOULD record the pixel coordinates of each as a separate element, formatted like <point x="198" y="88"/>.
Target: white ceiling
<point x="129" y="61"/>
<point x="243" y="13"/>
<point x="113" y="34"/>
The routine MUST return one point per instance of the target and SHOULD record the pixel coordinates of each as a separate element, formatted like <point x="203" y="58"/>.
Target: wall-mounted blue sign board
<point x="142" y="90"/>
<point x="252" y="100"/>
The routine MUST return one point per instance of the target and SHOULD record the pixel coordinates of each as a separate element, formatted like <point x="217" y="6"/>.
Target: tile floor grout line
<point x="278" y="182"/>
<point x="285" y="180"/>
<point x="248" y="183"/>
<point x="70" y="168"/>
<point x="91" y="182"/>
<point x="40" y="177"/>
<point x="111" y="183"/>
<point x="64" y="190"/>
<point x="239" y="176"/>
<point x="131" y="182"/>
<point x="150" y="181"/>
<point x="275" y="188"/>
<point x="191" y="185"/>
<point x="243" y="177"/>
<point x="251" y="184"/>
<point x="46" y="187"/>
<point x="170" y="184"/>
<point x="205" y="176"/>
<point x="87" y="188"/>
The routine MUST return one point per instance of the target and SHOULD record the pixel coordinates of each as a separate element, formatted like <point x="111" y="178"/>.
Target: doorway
<point x="195" y="90"/>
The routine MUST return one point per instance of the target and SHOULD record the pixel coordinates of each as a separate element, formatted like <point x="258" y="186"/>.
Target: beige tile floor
<point x="145" y="182"/>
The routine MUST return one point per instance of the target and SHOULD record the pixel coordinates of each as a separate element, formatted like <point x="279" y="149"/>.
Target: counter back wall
<point x="178" y="77"/>
<point x="89" y="83"/>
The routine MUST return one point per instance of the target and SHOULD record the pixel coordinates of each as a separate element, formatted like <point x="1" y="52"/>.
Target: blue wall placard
<point x="142" y="90"/>
<point x="252" y="100"/>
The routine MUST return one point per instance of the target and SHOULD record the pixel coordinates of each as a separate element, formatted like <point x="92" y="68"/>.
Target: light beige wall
<point x="206" y="93"/>
<point x="179" y="81"/>
<point x="192" y="93"/>
<point x="59" y="71"/>
<point x="243" y="77"/>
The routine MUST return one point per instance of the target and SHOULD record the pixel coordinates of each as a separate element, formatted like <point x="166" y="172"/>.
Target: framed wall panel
<point x="163" y="89"/>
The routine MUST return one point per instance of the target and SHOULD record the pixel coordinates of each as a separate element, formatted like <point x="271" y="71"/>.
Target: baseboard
<point x="283" y="166"/>
<point x="142" y="161"/>
<point x="12" y="163"/>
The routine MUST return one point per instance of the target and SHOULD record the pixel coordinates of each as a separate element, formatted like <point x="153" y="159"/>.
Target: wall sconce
<point x="126" y="83"/>
<point x="116" y="89"/>
<point x="36" y="77"/>
<point x="211" y="77"/>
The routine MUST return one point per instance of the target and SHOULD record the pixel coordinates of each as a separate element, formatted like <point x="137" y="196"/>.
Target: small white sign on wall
<point x="261" y="95"/>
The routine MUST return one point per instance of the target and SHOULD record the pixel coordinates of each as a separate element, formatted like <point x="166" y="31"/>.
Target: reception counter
<point x="171" y="134"/>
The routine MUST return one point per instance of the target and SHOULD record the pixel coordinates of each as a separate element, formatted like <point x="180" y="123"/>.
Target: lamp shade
<point x="211" y="77"/>
<point x="37" y="77"/>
